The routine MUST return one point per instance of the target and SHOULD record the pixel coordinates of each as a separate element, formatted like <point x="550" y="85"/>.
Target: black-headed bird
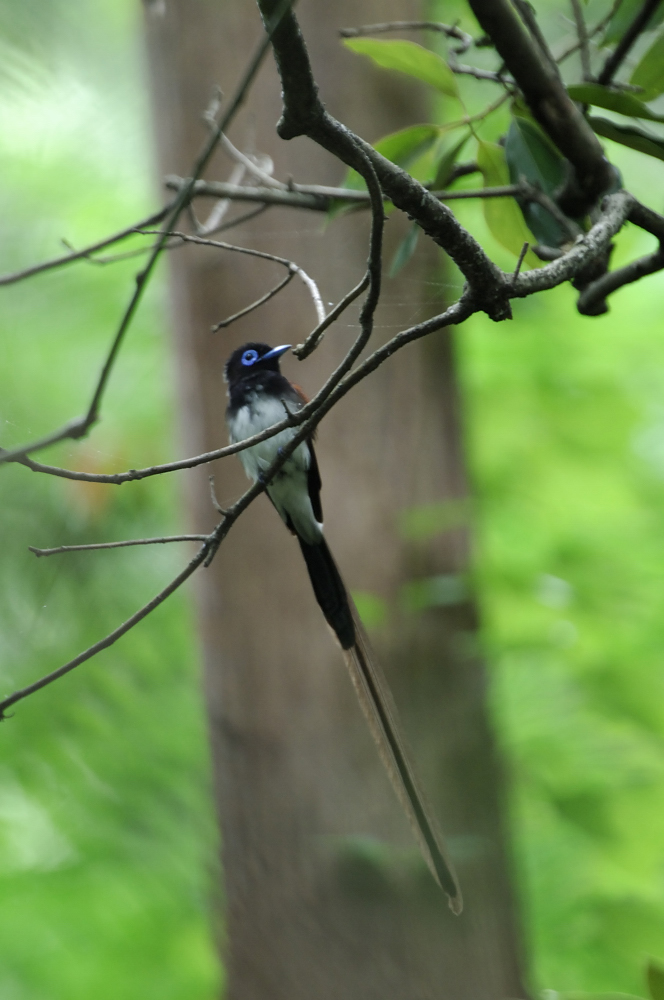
<point x="259" y="397"/>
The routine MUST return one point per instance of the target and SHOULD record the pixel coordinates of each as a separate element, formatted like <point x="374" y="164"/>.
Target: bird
<point x="259" y="396"/>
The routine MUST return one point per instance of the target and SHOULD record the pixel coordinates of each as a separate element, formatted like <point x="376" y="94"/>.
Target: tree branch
<point x="617" y="208"/>
<point x="582" y="35"/>
<point x="304" y="114"/>
<point x="74" y="255"/>
<point x="80" y="426"/>
<point x="613" y="62"/>
<point x="116" y="545"/>
<point x="319" y="198"/>
<point x="451" y="30"/>
<point x="538" y="79"/>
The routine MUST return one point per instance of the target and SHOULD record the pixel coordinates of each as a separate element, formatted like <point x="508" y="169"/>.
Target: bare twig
<point x="249" y="164"/>
<point x="215" y="219"/>
<point x="175" y="244"/>
<point x="639" y="23"/>
<point x="223" y="323"/>
<point x="592" y="300"/>
<point x="110" y="639"/>
<point x="291" y="265"/>
<point x="451" y="30"/>
<point x="582" y="35"/>
<point x="80" y="426"/>
<point x="480" y="74"/>
<point x="617" y="208"/>
<point x="116" y="545"/>
<point x="49" y="265"/>
<point x="319" y="198"/>
<point x="524" y="251"/>
<point x="303" y="351"/>
<point x="213" y="497"/>
<point x="592" y="32"/>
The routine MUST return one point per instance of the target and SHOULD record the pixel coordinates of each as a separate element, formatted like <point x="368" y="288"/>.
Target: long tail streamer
<point x="380" y="712"/>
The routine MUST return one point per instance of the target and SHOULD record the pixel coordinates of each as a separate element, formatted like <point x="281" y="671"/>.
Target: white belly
<point x="289" y="489"/>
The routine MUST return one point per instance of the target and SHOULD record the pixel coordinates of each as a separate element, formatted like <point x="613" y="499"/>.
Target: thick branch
<point x="616" y="210"/>
<point x="540" y="83"/>
<point x="592" y="300"/>
<point x="304" y="114"/>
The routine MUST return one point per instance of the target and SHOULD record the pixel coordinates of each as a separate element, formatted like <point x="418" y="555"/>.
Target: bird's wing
<point x="380" y="712"/>
<point x="314" y="484"/>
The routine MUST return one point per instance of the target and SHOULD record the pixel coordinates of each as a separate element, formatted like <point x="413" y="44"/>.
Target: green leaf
<point x="405" y="250"/>
<point x="409" y="58"/>
<point x="503" y="215"/>
<point x="446" y="164"/>
<point x="530" y="154"/>
<point x="649" y="73"/>
<point x="613" y="100"/>
<point x="624" y="16"/>
<point x="655" y="977"/>
<point x="628" y="135"/>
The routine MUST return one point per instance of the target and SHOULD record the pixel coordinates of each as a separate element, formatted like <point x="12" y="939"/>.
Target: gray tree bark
<point x="312" y="908"/>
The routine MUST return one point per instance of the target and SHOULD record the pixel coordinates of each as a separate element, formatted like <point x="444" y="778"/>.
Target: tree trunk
<point x="317" y="903"/>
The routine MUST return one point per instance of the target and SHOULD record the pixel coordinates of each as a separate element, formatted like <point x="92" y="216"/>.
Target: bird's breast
<point x="256" y="413"/>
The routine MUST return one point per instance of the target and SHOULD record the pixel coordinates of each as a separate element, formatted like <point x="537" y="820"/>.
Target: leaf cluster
<point x="521" y="150"/>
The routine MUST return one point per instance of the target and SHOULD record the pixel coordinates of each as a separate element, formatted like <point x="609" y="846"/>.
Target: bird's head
<point x="251" y="358"/>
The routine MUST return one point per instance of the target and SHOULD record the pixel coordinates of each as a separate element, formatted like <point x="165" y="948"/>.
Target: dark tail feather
<point x="380" y="712"/>
<point x="329" y="590"/>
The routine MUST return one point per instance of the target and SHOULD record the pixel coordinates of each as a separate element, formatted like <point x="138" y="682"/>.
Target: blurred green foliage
<point x="107" y="840"/>
<point x="566" y="434"/>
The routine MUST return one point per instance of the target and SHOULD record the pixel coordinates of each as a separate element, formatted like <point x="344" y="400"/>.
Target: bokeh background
<point x="108" y="844"/>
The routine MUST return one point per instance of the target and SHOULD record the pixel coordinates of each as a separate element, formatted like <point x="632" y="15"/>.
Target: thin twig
<point x="639" y="23"/>
<point x="290" y="264"/>
<point x="250" y="165"/>
<point x="618" y="208"/>
<point x="592" y="32"/>
<point x="524" y="251"/>
<point x="582" y="34"/>
<point x="218" y="212"/>
<point x="480" y="74"/>
<point x="451" y="30"/>
<point x="303" y="350"/>
<point x="223" y="323"/>
<point x="213" y="496"/>
<point x="116" y="545"/>
<point x="110" y="639"/>
<point x="319" y="198"/>
<point x="29" y="272"/>
<point x="80" y="426"/>
<point x="223" y="227"/>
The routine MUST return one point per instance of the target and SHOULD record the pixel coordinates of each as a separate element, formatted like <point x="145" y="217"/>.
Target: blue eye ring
<point x="249" y="358"/>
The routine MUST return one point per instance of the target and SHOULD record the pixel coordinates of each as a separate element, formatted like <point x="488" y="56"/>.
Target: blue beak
<point x="276" y="352"/>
